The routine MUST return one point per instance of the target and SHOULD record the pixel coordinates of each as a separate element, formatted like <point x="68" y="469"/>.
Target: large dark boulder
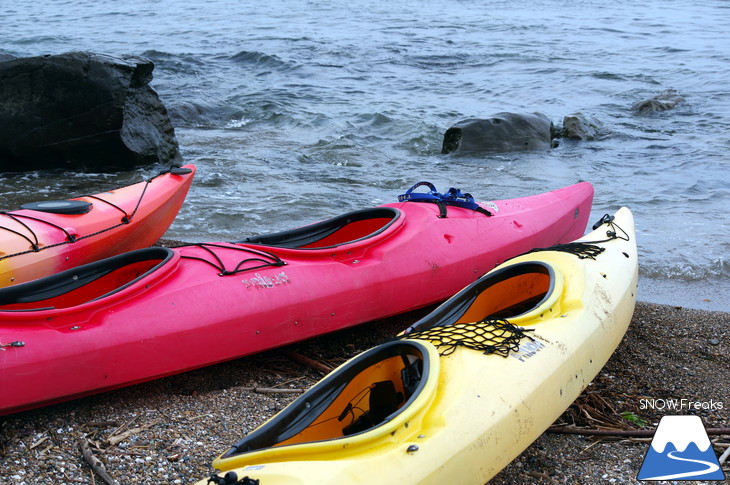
<point x="82" y="110"/>
<point x="502" y="132"/>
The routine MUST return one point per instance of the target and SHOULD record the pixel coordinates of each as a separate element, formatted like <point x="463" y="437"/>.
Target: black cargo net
<point x="581" y="249"/>
<point x="489" y="336"/>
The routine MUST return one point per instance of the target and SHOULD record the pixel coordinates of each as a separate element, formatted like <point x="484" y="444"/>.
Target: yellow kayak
<point x="464" y="390"/>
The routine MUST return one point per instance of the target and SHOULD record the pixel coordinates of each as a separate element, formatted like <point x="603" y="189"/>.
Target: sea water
<point x="295" y="111"/>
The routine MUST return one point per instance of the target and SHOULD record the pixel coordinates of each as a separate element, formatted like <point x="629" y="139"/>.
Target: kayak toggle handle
<point x="613" y="229"/>
<point x="231" y="478"/>
<point x="606" y="219"/>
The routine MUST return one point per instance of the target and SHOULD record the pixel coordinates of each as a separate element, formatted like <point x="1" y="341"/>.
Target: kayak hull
<point x="36" y="243"/>
<point x="471" y="413"/>
<point x="165" y="311"/>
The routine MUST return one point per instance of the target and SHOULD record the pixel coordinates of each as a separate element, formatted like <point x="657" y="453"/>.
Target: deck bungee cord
<point x="588" y="249"/>
<point x="35" y="243"/>
<point x="266" y="258"/>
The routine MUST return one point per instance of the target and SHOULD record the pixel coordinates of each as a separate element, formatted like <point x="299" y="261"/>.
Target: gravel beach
<point x="168" y="431"/>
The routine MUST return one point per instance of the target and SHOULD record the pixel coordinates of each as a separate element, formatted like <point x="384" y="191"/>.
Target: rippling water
<point x="296" y="111"/>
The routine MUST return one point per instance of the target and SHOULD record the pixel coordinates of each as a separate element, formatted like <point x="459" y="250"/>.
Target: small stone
<point x="714" y="341"/>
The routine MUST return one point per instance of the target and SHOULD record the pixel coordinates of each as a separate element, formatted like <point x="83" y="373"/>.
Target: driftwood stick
<point x="622" y="432"/>
<point x="724" y="456"/>
<point x="318" y="366"/>
<point x="271" y="390"/>
<point x="125" y="425"/>
<point x="96" y="465"/>
<point x="39" y="442"/>
<point x="118" y="438"/>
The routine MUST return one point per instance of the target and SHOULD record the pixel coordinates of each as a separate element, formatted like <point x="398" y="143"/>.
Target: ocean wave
<point x="701" y="270"/>
<point x="259" y="60"/>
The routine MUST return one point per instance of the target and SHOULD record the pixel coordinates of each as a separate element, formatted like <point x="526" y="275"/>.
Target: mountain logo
<point x="680" y="450"/>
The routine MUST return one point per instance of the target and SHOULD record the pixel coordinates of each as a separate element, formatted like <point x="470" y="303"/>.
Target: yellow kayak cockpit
<point x="362" y="395"/>
<point x="516" y="293"/>
<point x="518" y="290"/>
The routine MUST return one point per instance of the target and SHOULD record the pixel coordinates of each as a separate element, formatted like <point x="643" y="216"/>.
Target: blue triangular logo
<point x="680" y="450"/>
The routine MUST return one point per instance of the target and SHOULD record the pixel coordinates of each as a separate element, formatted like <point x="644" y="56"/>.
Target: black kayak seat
<point x="344" y="229"/>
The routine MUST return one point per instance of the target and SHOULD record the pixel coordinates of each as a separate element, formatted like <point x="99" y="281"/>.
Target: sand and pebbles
<point x="168" y="431"/>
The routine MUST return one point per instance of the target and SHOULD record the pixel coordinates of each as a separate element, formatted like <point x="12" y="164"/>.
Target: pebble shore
<point x="168" y="431"/>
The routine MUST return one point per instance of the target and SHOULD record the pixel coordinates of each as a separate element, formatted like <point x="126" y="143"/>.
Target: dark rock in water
<point x="502" y="132"/>
<point x="666" y="100"/>
<point x="578" y="126"/>
<point x="82" y="110"/>
<point x="6" y="57"/>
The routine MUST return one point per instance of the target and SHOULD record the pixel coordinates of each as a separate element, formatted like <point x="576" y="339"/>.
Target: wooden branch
<point x="318" y="366"/>
<point x="271" y="390"/>
<point x="724" y="456"/>
<point x="96" y="465"/>
<point x="118" y="438"/>
<point x="622" y="432"/>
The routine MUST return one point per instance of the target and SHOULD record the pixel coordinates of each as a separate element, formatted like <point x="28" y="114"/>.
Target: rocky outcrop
<point x="578" y="126"/>
<point x="82" y="110"/>
<point x="502" y="132"/>
<point x="666" y="100"/>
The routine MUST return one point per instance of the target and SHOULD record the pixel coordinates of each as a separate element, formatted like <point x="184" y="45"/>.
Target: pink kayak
<point x="154" y="312"/>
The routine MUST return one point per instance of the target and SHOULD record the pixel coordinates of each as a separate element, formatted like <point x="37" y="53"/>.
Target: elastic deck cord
<point x="70" y="238"/>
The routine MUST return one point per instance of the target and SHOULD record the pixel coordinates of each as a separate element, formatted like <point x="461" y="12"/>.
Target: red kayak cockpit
<point x="85" y="283"/>
<point x="348" y="228"/>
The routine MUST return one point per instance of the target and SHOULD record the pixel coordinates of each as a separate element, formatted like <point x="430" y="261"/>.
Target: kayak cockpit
<point x="347" y="228"/>
<point x="85" y="283"/>
<point x="510" y="293"/>
<point x="365" y="393"/>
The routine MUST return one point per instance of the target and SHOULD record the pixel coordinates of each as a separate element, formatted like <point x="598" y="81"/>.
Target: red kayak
<point x="154" y="312"/>
<point x="43" y="238"/>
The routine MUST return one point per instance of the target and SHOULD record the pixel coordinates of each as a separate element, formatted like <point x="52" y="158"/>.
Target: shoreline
<point x="712" y="294"/>
<point x="170" y="430"/>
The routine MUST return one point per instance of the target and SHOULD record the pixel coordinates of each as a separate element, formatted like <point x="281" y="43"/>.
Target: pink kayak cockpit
<point x="85" y="283"/>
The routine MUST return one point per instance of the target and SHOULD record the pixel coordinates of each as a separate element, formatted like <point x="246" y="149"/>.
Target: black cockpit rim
<point x="302" y="412"/>
<point x="303" y="236"/>
<point x="66" y="281"/>
<point x="451" y="310"/>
